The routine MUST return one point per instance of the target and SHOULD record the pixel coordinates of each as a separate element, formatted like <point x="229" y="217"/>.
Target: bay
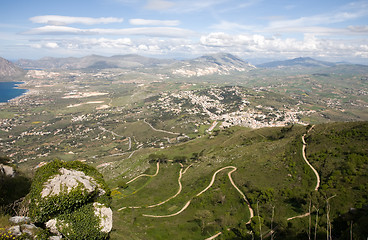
<point x="9" y="91"/>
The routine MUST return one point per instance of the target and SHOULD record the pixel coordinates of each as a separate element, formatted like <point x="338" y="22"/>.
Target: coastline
<point x="17" y="85"/>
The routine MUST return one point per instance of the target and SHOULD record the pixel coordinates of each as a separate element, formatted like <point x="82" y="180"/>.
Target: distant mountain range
<point x="221" y="63"/>
<point x="93" y="62"/>
<point x="297" y="62"/>
<point x="9" y="71"/>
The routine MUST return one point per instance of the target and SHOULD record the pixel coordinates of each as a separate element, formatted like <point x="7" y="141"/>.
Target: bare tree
<point x="273" y="213"/>
<point x="310" y="219"/>
<point x="316" y="225"/>
<point x="351" y="230"/>
<point x="328" y="208"/>
<point x="259" y="220"/>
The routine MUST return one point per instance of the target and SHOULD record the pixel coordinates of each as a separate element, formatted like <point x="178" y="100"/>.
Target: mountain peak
<point x="297" y="62"/>
<point x="219" y="63"/>
<point x="9" y="69"/>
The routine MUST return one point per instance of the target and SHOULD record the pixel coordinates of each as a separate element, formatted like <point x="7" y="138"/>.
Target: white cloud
<point x="184" y="6"/>
<point x="258" y="45"/>
<point x="232" y="26"/>
<point x="159" y="4"/>
<point x="244" y="45"/>
<point x="84" y="43"/>
<point x="137" y="21"/>
<point x="52" y="45"/>
<point x="359" y="29"/>
<point x="66" y="20"/>
<point x="243" y="4"/>
<point x="347" y="12"/>
<point x="145" y="31"/>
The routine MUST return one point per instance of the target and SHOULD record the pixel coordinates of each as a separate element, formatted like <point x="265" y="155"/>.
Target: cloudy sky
<point x="334" y="30"/>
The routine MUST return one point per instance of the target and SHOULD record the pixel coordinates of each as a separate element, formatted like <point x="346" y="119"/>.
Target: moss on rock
<point x="66" y="193"/>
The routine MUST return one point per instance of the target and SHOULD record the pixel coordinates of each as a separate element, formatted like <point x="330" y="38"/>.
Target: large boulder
<point x="7" y="170"/>
<point x="71" y="199"/>
<point x="92" y="221"/>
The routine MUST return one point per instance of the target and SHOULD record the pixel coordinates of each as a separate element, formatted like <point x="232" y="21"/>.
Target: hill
<point x="266" y="165"/>
<point x="297" y="62"/>
<point x="92" y="62"/>
<point x="9" y="71"/>
<point x="221" y="64"/>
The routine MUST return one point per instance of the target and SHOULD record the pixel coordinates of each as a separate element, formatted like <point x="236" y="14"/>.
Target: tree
<point x="203" y="217"/>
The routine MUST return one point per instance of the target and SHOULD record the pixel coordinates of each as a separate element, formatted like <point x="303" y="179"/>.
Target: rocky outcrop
<point x="71" y="199"/>
<point x="23" y="227"/>
<point x="98" y="214"/>
<point x="104" y="214"/>
<point x="69" y="180"/>
<point x="7" y="170"/>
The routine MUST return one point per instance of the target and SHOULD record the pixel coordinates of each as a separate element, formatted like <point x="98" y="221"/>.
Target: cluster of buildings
<point x="212" y="103"/>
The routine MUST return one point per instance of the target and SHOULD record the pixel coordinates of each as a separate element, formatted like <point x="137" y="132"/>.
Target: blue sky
<point x="334" y="30"/>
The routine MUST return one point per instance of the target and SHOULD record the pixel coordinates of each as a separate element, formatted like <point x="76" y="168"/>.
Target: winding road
<point x="159" y="130"/>
<point x="214" y="236"/>
<point x="305" y="159"/>
<point x="174" y="196"/>
<point x="204" y="190"/>
<point x="313" y="169"/>
<point x="233" y="169"/>
<point x="178" y="192"/>
<point x="299" y="216"/>
<point x="105" y="130"/>
<point x="146" y="175"/>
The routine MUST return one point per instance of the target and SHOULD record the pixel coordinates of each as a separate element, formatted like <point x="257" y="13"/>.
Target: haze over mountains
<point x="8" y="69"/>
<point x="297" y="62"/>
<point x="136" y="61"/>
<point x="220" y="63"/>
<point x="93" y="61"/>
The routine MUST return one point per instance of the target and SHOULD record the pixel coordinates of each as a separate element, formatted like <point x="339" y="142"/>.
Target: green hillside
<point x="270" y="171"/>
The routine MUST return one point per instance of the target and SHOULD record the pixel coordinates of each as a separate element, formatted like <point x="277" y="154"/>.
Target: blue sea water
<point x="8" y="91"/>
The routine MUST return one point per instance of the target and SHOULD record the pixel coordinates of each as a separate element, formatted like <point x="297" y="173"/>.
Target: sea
<point x="9" y="91"/>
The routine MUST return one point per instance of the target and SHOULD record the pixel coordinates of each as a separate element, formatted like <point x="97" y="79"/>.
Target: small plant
<point x="8" y="235"/>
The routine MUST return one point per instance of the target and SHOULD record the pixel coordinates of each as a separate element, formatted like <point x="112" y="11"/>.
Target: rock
<point x="15" y="230"/>
<point x="19" y="219"/>
<point x="69" y="180"/>
<point x="92" y="221"/>
<point x="7" y="170"/>
<point x="51" y="225"/>
<point x="55" y="237"/>
<point x="29" y="229"/>
<point x="67" y="198"/>
<point x="105" y="216"/>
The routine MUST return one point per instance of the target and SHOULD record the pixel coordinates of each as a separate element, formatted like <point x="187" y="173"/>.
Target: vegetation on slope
<point x="270" y="171"/>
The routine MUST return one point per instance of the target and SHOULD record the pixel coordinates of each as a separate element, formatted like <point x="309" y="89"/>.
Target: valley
<point x="192" y="149"/>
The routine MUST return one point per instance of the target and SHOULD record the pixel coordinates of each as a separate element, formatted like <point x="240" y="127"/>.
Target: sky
<point x="331" y="30"/>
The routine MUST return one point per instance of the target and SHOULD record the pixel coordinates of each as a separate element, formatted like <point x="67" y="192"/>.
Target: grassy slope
<point x="270" y="169"/>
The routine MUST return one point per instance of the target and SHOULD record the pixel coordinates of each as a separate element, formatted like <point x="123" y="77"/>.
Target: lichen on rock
<point x="67" y="181"/>
<point x="104" y="214"/>
<point x="71" y="199"/>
